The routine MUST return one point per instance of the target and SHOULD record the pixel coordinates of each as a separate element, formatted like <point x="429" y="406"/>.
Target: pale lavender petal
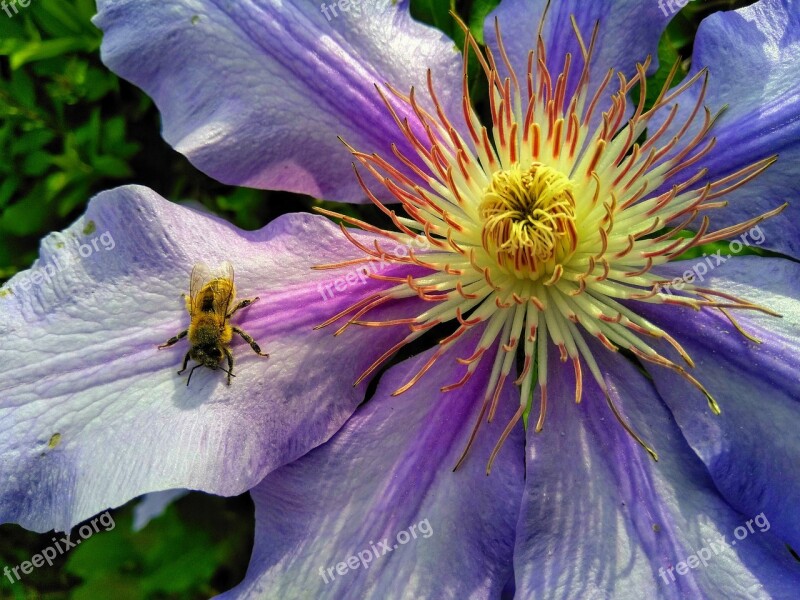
<point x="752" y="449"/>
<point x="600" y="519"/>
<point x="92" y="414"/>
<point x="385" y="483"/>
<point x="256" y="92"/>
<point x="752" y="56"/>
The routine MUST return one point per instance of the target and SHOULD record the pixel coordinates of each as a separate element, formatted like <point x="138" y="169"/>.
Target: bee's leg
<point x="242" y="304"/>
<point x="174" y="340"/>
<point x="194" y="368"/>
<point x="185" y="362"/>
<point x="247" y="338"/>
<point x="229" y="356"/>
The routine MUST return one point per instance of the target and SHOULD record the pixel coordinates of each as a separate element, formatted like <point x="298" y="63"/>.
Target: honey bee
<point x="211" y="296"/>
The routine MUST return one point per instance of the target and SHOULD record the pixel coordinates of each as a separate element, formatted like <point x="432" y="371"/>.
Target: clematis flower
<point x="533" y="263"/>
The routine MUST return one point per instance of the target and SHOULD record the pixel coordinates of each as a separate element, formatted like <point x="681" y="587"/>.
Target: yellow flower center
<point x="528" y="218"/>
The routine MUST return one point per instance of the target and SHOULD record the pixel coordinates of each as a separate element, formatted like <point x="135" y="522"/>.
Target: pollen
<point x="528" y="216"/>
<point x="538" y="233"/>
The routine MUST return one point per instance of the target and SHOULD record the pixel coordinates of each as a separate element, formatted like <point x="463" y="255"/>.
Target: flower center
<point x="529" y="219"/>
<point x="533" y="264"/>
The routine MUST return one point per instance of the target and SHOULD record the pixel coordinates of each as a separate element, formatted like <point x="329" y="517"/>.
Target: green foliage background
<point x="69" y="128"/>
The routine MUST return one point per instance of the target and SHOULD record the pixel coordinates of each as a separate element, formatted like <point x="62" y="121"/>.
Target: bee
<point x="211" y="303"/>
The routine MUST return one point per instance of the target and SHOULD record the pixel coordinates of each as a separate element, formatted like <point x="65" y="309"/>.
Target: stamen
<point x="628" y="428"/>
<point x="534" y="229"/>
<point x="504" y="436"/>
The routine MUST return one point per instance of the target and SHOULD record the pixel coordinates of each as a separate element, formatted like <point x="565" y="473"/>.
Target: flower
<point x="539" y="233"/>
<point x="545" y="230"/>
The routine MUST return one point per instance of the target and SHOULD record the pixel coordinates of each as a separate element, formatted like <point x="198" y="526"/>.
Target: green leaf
<point x="35" y="51"/>
<point x="87" y="136"/>
<point x="98" y="83"/>
<point x="110" y="166"/>
<point x="36" y="163"/>
<point x="85" y="9"/>
<point x="60" y="18"/>
<point x="10" y="29"/>
<point x="114" y="139"/>
<point x="7" y="189"/>
<point x="246" y="205"/>
<point x="111" y="585"/>
<point x="25" y="217"/>
<point x="56" y="182"/>
<point x="21" y="88"/>
<point x="167" y="557"/>
<point x="436" y="13"/>
<point x="31" y="140"/>
<point x="477" y="17"/>
<point x="72" y="199"/>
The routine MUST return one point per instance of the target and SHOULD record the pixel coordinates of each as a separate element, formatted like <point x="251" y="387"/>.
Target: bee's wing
<point x="201" y="275"/>
<point x="225" y="272"/>
<point x="219" y="280"/>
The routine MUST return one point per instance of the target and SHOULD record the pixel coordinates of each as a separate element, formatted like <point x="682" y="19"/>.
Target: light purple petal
<point x="256" y="92"/>
<point x="600" y="518"/>
<point x="92" y="414"/>
<point x="752" y="449"/>
<point x="629" y="31"/>
<point x="753" y="56"/>
<point x="390" y="469"/>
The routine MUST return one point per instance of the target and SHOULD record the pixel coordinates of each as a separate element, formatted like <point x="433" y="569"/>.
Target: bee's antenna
<point x="190" y="374"/>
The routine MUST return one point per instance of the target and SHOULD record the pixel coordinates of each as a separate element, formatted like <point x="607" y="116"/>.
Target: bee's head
<point x="207" y="355"/>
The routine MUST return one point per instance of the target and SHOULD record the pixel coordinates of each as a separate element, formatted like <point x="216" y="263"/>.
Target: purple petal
<point x="92" y="414"/>
<point x="387" y="471"/>
<point x="601" y="519"/>
<point x="629" y="31"/>
<point x="752" y="449"/>
<point x="752" y="56"/>
<point x="255" y="93"/>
